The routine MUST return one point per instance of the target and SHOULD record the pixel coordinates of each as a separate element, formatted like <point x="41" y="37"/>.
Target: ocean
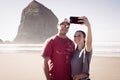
<point x="109" y="49"/>
<point x="106" y="48"/>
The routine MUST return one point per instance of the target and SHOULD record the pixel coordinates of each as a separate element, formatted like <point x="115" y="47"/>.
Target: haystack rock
<point x="37" y="24"/>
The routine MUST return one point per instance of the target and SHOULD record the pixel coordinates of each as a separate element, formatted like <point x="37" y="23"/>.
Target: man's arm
<point x="46" y="68"/>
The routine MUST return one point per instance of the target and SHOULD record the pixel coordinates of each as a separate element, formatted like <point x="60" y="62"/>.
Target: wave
<point x="99" y="48"/>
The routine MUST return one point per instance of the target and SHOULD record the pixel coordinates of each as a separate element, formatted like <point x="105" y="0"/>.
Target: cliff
<point x="37" y="24"/>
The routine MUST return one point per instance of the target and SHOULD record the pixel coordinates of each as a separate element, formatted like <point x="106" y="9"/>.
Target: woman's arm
<point x="88" y="44"/>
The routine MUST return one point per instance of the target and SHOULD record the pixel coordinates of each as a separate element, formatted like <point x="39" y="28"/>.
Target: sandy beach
<point x="28" y="66"/>
<point x="105" y="68"/>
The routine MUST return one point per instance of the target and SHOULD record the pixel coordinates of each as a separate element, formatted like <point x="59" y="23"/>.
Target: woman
<point x="81" y="58"/>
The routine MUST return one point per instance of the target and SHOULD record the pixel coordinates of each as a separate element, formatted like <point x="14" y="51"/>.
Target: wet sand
<point x="28" y="66"/>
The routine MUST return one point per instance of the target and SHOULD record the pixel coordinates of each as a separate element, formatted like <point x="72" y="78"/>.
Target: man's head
<point x="65" y="22"/>
<point x="64" y="26"/>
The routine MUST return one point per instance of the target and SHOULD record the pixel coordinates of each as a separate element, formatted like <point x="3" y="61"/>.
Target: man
<point x="57" y="54"/>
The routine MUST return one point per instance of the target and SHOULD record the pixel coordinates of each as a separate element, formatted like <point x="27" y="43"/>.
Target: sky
<point x="104" y="16"/>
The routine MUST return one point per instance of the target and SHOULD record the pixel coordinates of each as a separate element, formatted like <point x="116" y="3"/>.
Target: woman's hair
<point x="84" y="35"/>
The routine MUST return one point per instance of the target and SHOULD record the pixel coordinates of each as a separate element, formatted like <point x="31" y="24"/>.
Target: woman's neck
<point x="80" y="46"/>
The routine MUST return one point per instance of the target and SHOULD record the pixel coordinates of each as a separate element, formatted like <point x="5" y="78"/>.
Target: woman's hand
<point x="80" y="76"/>
<point x="84" y="20"/>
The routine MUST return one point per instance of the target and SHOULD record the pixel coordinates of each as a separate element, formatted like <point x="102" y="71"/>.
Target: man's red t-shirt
<point x="60" y="51"/>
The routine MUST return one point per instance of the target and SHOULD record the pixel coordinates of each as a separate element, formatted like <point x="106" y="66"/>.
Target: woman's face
<point x="79" y="38"/>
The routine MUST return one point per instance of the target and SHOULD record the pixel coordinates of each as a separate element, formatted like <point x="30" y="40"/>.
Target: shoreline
<point x="100" y="54"/>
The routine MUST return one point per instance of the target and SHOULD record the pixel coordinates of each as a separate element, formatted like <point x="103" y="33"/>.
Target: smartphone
<point x="74" y="20"/>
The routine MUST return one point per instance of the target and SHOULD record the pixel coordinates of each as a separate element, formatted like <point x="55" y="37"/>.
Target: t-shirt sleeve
<point x="86" y="64"/>
<point x="47" y="49"/>
<point x="89" y="56"/>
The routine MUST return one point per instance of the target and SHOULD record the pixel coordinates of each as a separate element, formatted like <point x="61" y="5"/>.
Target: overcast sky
<point x="104" y="16"/>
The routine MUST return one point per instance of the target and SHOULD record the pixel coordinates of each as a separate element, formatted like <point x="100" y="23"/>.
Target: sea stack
<point x="37" y="24"/>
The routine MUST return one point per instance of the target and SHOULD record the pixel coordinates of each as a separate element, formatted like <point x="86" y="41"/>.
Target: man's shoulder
<point x="70" y="40"/>
<point x="52" y="38"/>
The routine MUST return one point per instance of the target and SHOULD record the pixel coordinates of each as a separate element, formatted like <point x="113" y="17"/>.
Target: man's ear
<point x="58" y="26"/>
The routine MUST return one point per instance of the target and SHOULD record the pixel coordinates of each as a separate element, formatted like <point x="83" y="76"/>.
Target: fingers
<point x="84" y="20"/>
<point x="83" y="17"/>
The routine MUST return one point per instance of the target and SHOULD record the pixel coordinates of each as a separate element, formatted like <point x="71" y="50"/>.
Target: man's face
<point x="63" y="28"/>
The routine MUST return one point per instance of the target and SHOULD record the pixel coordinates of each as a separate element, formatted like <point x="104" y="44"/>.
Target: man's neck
<point x="62" y="35"/>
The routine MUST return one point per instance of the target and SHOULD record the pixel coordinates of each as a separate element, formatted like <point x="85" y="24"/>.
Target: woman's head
<point x="79" y="37"/>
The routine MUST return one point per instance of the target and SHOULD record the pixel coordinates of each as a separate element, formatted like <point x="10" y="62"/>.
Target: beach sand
<point x="28" y="66"/>
<point x="105" y="68"/>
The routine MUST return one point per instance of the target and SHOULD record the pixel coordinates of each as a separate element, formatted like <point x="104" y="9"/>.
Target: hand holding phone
<point x="76" y="20"/>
